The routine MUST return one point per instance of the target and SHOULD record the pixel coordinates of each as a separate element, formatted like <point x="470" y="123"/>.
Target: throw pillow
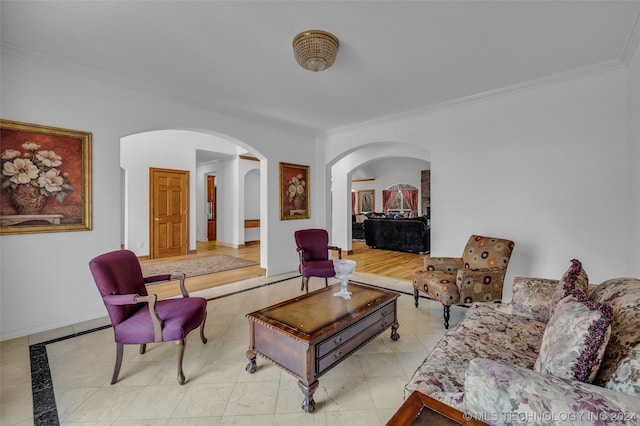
<point x="574" y="280"/>
<point x="626" y="378"/>
<point x="623" y="295"/>
<point x="575" y="339"/>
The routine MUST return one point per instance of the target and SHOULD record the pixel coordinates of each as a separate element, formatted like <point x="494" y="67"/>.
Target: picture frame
<point x="294" y="191"/>
<point x="366" y="200"/>
<point x="45" y="176"/>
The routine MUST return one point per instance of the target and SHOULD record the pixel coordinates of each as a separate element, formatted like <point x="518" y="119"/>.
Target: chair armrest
<point x="534" y="297"/>
<point x="338" y="249"/>
<point x="121" y="299"/>
<point x="156" y="279"/>
<point x="500" y="393"/>
<point x="155" y="318"/>
<point x="480" y="285"/>
<point x="444" y="264"/>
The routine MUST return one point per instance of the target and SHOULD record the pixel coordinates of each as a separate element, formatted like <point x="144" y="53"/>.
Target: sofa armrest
<point x="444" y="264"/>
<point x="504" y="394"/>
<point x="534" y="297"/>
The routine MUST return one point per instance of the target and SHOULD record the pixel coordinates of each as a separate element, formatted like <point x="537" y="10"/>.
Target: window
<point x="401" y="199"/>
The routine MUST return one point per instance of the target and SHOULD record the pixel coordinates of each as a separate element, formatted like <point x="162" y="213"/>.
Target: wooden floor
<point x="394" y="264"/>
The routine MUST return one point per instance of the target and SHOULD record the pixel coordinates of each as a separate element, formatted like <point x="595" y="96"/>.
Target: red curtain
<point x="353" y="202"/>
<point x="387" y="199"/>
<point x="411" y="196"/>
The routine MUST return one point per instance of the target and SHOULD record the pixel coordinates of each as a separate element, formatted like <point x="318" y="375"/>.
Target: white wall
<point x="634" y="161"/>
<point x="252" y="200"/>
<point x="169" y="149"/>
<point x="45" y="280"/>
<point x="544" y="167"/>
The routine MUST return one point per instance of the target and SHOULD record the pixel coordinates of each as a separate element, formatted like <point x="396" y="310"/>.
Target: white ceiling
<point x="236" y="57"/>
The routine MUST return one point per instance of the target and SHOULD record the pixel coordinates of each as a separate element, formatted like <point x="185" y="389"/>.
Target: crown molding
<point x="551" y="80"/>
<point x="159" y="92"/>
<point x="632" y="43"/>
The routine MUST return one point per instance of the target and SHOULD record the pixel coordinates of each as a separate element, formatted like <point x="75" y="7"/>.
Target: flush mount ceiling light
<point x="315" y="50"/>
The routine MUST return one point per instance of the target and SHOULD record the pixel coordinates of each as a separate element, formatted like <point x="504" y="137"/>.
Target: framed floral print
<point x="45" y="179"/>
<point x="294" y="191"/>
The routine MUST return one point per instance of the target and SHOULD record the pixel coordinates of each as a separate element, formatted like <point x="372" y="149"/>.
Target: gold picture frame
<point x="294" y="191"/>
<point x="45" y="177"/>
<point x="366" y="200"/>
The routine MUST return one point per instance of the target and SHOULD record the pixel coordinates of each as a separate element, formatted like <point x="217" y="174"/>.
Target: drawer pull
<point x="337" y="340"/>
<point x="383" y="313"/>
<point x="337" y="355"/>
<point x="384" y="324"/>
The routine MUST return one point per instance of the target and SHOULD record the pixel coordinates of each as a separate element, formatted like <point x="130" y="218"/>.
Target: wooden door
<point x="211" y="208"/>
<point x="169" y="212"/>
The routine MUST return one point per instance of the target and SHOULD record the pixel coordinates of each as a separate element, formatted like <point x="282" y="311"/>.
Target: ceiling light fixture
<point x="315" y="50"/>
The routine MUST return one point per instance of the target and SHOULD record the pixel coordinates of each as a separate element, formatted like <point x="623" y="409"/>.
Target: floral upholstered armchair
<point x="477" y="276"/>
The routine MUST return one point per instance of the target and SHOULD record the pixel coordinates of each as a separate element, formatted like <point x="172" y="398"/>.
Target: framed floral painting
<point x="294" y="191"/>
<point x="45" y="179"/>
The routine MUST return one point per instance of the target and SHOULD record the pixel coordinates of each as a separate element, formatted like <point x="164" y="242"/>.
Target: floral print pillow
<point x="623" y="295"/>
<point x="626" y="378"/>
<point x="574" y="280"/>
<point x="575" y="339"/>
<point x="533" y="297"/>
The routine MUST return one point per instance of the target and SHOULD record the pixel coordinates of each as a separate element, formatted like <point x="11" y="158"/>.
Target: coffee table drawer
<point x="349" y="333"/>
<point x="376" y="325"/>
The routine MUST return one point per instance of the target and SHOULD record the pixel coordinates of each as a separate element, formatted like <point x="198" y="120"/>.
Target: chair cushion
<point x="318" y="268"/>
<point x="438" y="285"/>
<point x="575" y="339"/>
<point x="180" y="316"/>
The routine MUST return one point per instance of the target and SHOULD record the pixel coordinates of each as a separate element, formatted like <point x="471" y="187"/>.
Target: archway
<point x="200" y="153"/>
<point x="340" y="173"/>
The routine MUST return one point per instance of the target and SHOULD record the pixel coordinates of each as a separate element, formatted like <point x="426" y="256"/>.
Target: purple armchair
<point x="138" y="317"/>
<point x="313" y="250"/>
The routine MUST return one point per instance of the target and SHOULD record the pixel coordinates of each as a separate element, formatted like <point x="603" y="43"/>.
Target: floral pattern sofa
<point x="562" y="352"/>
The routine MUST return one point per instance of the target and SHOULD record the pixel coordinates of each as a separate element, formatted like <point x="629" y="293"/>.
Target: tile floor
<point x="72" y="369"/>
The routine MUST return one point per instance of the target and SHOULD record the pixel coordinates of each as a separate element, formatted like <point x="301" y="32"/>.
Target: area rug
<point x="198" y="266"/>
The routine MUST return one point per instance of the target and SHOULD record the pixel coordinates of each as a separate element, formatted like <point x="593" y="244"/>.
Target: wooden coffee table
<point x="422" y="410"/>
<point x="310" y="334"/>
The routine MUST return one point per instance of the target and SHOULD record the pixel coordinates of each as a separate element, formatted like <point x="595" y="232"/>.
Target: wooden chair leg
<point x="326" y="282"/>
<point x="116" y="370"/>
<point x="143" y="348"/>
<point x="447" y="315"/>
<point x="302" y="286"/>
<point x="202" y="336"/>
<point x="181" y="345"/>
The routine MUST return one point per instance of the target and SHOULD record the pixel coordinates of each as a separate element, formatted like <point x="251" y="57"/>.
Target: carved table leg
<point x="308" y="404"/>
<point x="394" y="331"/>
<point x="251" y="366"/>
